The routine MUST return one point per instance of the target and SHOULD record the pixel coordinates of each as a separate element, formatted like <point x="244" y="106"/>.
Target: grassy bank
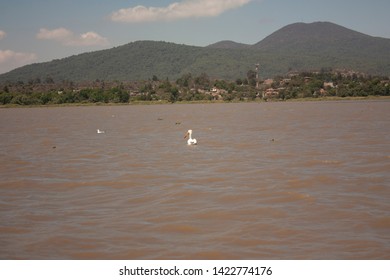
<point x="306" y="99"/>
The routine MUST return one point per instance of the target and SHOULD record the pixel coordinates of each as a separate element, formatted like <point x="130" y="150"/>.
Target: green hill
<point x="140" y="61"/>
<point x="228" y="45"/>
<point x="299" y="46"/>
<point x="329" y="45"/>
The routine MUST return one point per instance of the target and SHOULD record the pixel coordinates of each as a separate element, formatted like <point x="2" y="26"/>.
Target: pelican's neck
<point x="190" y="135"/>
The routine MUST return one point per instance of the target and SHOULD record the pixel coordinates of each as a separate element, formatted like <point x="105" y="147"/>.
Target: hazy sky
<point x="41" y="30"/>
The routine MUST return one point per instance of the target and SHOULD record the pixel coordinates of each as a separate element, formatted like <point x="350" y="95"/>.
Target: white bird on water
<point x="190" y="141"/>
<point x="100" y="131"/>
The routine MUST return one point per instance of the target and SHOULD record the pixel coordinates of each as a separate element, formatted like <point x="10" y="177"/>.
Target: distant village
<point x="187" y="88"/>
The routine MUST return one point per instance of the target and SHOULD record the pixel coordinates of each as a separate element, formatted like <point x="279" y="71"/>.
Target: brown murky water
<point x="292" y="180"/>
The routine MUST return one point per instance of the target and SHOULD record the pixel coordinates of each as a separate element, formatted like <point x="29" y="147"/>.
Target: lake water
<point x="285" y="180"/>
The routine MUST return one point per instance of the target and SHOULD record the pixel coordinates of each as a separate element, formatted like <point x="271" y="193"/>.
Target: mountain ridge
<point x="228" y="44"/>
<point x="298" y="46"/>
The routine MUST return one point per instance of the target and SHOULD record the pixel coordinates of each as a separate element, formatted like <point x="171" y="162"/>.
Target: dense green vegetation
<point x="328" y="84"/>
<point x="195" y="88"/>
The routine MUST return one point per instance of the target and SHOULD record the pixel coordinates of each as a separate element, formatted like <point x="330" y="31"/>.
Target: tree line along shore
<point x="324" y="84"/>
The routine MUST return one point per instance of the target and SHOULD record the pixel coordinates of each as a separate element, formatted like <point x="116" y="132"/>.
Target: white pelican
<point x="190" y="141"/>
<point x="100" y="131"/>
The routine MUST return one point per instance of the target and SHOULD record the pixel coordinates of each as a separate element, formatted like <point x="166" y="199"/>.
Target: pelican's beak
<point x="185" y="136"/>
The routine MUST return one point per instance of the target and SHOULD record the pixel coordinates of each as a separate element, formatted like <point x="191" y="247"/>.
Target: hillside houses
<point x="188" y="88"/>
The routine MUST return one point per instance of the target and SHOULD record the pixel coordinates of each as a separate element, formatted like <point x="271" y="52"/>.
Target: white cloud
<point x="59" y="34"/>
<point x="10" y="59"/>
<point x="92" y="39"/>
<point x="2" y="34"/>
<point x="68" y="38"/>
<point x="177" y="10"/>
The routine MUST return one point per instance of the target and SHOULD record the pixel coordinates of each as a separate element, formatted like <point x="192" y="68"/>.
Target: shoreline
<point x="164" y="102"/>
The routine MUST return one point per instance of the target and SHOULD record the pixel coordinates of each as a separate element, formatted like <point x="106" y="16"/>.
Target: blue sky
<point x="42" y="30"/>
